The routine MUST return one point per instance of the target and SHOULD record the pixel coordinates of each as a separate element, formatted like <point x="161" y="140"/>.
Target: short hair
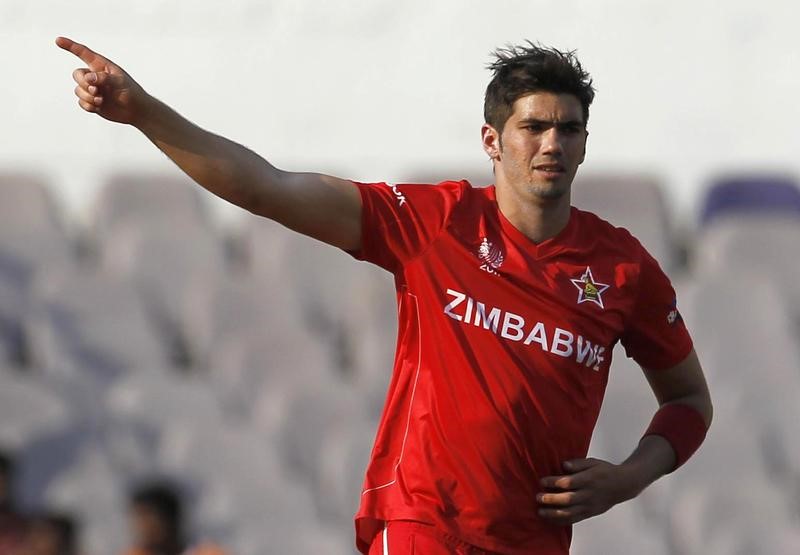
<point x="65" y="525"/>
<point x="163" y="498"/>
<point x="521" y="70"/>
<point x="6" y="464"/>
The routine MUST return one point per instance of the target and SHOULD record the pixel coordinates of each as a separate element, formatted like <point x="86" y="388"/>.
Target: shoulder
<point x="610" y="238"/>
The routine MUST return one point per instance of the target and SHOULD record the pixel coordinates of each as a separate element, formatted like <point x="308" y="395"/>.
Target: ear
<point x="490" y="139"/>
<point x="583" y="154"/>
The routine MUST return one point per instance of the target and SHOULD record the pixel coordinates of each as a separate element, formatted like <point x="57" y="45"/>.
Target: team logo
<point x="589" y="290"/>
<point x="491" y="256"/>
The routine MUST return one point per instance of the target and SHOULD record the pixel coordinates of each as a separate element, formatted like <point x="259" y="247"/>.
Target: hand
<point x="104" y="88"/>
<point x="590" y="488"/>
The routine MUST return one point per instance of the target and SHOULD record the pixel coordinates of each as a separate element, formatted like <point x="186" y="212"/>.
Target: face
<point x="542" y="144"/>
<point x="147" y="527"/>
<point x="43" y="539"/>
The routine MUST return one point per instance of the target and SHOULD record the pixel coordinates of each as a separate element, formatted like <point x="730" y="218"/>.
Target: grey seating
<point x="90" y="488"/>
<point x="29" y="409"/>
<point x="313" y="411"/>
<point x="90" y="322"/>
<point x="734" y="243"/>
<point x="251" y="372"/>
<point x="620" y="530"/>
<point x="158" y="397"/>
<point x="225" y="308"/>
<point x="33" y="239"/>
<point x="342" y="462"/>
<point x="635" y="202"/>
<point x="164" y="260"/>
<point x="148" y="197"/>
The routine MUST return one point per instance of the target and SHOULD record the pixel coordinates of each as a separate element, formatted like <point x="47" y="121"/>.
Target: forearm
<point x="652" y="459"/>
<point x="225" y="168"/>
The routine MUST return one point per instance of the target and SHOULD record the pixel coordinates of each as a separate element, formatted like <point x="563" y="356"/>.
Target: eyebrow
<point x="549" y="122"/>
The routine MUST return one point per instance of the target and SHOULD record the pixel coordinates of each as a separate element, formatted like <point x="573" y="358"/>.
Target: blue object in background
<point x="752" y="194"/>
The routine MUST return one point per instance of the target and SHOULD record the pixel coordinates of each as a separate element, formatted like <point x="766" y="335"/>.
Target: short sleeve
<point x="398" y="222"/>
<point x="655" y="335"/>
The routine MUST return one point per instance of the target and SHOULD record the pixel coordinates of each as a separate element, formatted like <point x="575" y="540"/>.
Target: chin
<point x="548" y="191"/>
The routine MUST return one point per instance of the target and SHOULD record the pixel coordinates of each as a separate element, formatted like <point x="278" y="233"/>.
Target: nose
<point x="551" y="142"/>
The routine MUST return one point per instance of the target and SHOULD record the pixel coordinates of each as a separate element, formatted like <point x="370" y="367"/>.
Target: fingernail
<point x="91" y="77"/>
<point x="92" y="90"/>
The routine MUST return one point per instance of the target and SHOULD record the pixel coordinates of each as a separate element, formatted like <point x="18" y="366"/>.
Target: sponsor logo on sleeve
<point x="674" y="316"/>
<point x="589" y="290"/>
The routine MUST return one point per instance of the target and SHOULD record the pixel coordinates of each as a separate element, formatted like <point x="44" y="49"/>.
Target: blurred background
<point x="159" y="347"/>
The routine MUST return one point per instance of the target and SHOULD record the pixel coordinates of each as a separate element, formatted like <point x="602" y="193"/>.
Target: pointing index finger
<point x="94" y="60"/>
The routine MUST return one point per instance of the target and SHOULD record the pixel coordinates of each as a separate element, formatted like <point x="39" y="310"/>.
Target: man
<point x="50" y="533"/>
<point x="12" y="522"/>
<point x="156" y="523"/>
<point x="510" y="302"/>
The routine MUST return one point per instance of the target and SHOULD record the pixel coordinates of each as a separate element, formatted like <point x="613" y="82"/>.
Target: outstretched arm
<point x="591" y="486"/>
<point x="321" y="206"/>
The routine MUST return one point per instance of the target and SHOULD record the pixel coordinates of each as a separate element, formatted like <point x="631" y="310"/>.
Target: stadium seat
<point x="222" y="308"/>
<point x="343" y="459"/>
<point x="249" y="372"/>
<point x="634" y="202"/>
<point x="148" y="199"/>
<point x="314" y="410"/>
<point x="33" y="239"/>
<point x="157" y="397"/>
<point x="771" y="195"/>
<point x="90" y="488"/>
<point x="88" y="322"/>
<point x="734" y="246"/>
<point x="164" y="259"/>
<point x="29" y="409"/>
<point x="620" y="530"/>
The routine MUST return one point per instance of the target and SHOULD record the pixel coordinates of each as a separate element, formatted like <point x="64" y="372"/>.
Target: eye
<point x="536" y="127"/>
<point x="571" y="128"/>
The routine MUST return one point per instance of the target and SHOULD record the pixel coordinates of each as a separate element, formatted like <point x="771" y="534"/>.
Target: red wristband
<point x="682" y="426"/>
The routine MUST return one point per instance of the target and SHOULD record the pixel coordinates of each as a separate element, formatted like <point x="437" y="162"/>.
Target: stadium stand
<point x="32" y="236"/>
<point x="268" y="412"/>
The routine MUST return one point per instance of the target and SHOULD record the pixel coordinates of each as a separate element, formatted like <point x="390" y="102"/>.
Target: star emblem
<point x="588" y="289"/>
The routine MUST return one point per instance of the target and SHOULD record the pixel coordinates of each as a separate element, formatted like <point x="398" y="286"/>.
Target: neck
<point x="538" y="219"/>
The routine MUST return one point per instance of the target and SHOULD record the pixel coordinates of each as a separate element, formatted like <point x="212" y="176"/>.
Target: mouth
<point x="550" y="170"/>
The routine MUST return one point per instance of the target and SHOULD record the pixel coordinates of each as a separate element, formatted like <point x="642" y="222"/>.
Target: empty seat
<point x="738" y="195"/>
<point x="33" y="239"/>
<point x="164" y="260"/>
<point x="148" y="198"/>
<point x="620" y="530"/>
<point x="91" y="489"/>
<point x="161" y="396"/>
<point x="251" y="371"/>
<point x="91" y="323"/>
<point x="220" y="309"/>
<point x="28" y="409"/>
<point x="313" y="411"/>
<point x="634" y="202"/>
<point x="342" y="463"/>
<point x="734" y="248"/>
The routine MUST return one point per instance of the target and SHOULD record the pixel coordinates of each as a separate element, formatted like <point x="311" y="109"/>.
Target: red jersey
<point x="503" y="352"/>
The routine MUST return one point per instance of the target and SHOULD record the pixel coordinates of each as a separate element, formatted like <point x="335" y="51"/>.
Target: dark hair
<point x="6" y="464"/>
<point x="521" y="70"/>
<point x="64" y="525"/>
<point x="164" y="499"/>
